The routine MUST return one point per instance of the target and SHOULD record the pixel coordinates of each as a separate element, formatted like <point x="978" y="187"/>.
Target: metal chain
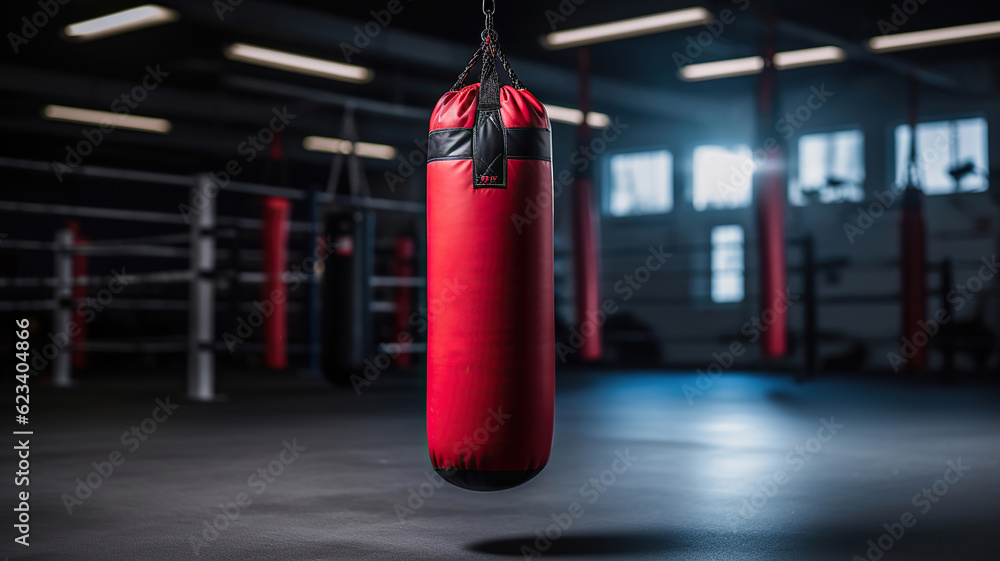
<point x="514" y="81"/>
<point x="491" y="41"/>
<point x="465" y="73"/>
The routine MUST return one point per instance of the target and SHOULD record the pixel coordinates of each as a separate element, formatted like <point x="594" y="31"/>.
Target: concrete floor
<point x="682" y="497"/>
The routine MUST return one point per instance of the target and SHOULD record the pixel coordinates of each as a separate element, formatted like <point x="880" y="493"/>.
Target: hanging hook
<point x="489" y="34"/>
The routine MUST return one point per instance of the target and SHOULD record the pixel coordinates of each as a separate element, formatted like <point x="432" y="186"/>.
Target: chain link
<point x="491" y="41"/>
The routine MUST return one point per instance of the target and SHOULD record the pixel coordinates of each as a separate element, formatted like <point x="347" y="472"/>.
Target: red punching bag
<point x="913" y="269"/>
<point x="275" y="291"/>
<point x="491" y="328"/>
<point x="913" y="251"/>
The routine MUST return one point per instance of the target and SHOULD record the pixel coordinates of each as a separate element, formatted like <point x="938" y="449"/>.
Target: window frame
<point x="890" y="133"/>
<point x="794" y="157"/>
<point x="711" y="269"/>
<point x="728" y="145"/>
<point x="606" y="182"/>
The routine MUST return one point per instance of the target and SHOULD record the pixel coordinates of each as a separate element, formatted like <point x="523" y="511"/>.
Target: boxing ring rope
<point x="205" y="227"/>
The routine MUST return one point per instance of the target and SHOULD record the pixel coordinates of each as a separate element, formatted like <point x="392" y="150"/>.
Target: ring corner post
<point x="61" y="374"/>
<point x="201" y="317"/>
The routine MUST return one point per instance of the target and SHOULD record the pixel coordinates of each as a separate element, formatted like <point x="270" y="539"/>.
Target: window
<point x="641" y="183"/>
<point x="951" y="156"/>
<point x="727" y="263"/>
<point x="723" y="177"/>
<point x="831" y="168"/>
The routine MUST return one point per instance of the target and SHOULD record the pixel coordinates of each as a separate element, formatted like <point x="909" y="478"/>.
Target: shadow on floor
<point x="946" y="542"/>
<point x="595" y="544"/>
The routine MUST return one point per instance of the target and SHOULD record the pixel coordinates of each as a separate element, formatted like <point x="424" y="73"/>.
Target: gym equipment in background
<point x="78" y="336"/>
<point x="346" y="288"/>
<point x="274" y="239"/>
<point x="913" y="249"/>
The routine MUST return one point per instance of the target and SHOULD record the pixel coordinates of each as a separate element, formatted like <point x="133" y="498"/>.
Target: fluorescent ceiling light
<point x="340" y="146"/>
<point x="598" y="120"/>
<point x="377" y="151"/>
<point x="808" y="57"/>
<point x="754" y="64"/>
<point x="324" y="144"/>
<point x="932" y="37"/>
<point x="119" y="22"/>
<point x="564" y="114"/>
<point x="106" y="118"/>
<point x="722" y="69"/>
<point x="281" y="60"/>
<point x="575" y="116"/>
<point x="622" y="29"/>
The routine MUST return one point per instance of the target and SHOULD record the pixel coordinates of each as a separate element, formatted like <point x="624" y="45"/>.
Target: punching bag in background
<point x="913" y="268"/>
<point x="274" y="240"/>
<point x="586" y="268"/>
<point x="913" y="249"/>
<point x="346" y="328"/>
<point x="402" y="267"/>
<point x="491" y="334"/>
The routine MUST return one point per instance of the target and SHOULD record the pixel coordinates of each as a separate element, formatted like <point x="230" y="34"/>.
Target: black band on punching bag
<point x="449" y="144"/>
<point x="523" y="143"/>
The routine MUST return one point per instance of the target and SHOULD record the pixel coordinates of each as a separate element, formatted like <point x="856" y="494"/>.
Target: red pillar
<point x="586" y="264"/>
<point x="275" y="291"/>
<point x="771" y="236"/>
<point x="770" y="197"/>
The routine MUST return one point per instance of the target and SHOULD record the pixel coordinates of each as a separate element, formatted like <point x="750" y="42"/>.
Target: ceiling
<point x="215" y="102"/>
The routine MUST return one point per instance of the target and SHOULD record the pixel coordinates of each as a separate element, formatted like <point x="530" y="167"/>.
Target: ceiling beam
<point x="325" y="31"/>
<point x="858" y="52"/>
<point x="240" y="114"/>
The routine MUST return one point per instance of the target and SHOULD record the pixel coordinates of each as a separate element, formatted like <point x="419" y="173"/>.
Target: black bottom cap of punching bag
<point x="476" y="480"/>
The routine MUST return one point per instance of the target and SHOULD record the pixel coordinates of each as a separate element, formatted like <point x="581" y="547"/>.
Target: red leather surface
<point x="586" y="270"/>
<point x="518" y="108"/>
<point x="491" y="335"/>
<point x="456" y="109"/>
<point x="773" y="274"/>
<point x="275" y="292"/>
<point x="913" y="236"/>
